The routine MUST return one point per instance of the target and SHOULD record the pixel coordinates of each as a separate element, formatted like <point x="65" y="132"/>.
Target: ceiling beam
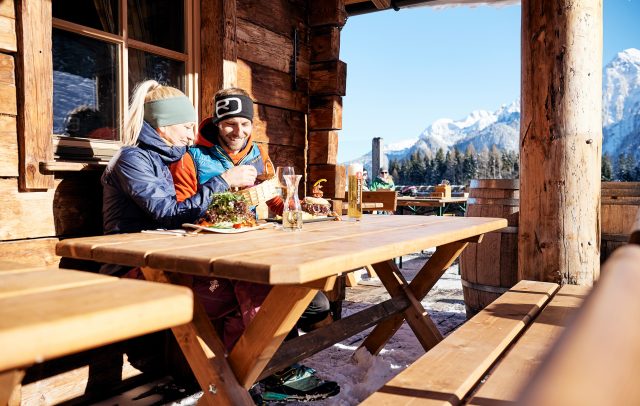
<point x="382" y="4"/>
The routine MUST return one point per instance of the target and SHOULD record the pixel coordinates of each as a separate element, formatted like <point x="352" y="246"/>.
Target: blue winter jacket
<point x="138" y="191"/>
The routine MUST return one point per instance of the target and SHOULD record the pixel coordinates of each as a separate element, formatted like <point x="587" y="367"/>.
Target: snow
<point x="359" y="373"/>
<point x="400" y="145"/>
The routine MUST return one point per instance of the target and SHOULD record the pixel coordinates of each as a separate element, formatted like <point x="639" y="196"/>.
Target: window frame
<point x="190" y="57"/>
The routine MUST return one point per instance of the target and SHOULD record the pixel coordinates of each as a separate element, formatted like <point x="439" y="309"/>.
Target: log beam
<point x="560" y="141"/>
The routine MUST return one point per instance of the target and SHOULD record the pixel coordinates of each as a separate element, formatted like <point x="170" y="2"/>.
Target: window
<point x="101" y="49"/>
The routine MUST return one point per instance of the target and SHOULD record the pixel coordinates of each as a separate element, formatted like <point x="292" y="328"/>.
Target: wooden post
<point x="327" y="85"/>
<point x="377" y="159"/>
<point x="35" y="93"/>
<point x="218" y="68"/>
<point x="560" y="141"/>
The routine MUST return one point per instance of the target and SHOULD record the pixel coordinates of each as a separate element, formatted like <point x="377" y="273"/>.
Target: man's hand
<point x="240" y="176"/>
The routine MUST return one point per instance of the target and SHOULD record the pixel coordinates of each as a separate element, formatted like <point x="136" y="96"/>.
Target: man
<point x="225" y="153"/>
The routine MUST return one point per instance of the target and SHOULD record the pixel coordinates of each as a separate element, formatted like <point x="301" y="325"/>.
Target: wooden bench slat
<point x="29" y="281"/>
<point x="446" y="373"/>
<point x="596" y="359"/>
<point x="49" y="324"/>
<point x="512" y="373"/>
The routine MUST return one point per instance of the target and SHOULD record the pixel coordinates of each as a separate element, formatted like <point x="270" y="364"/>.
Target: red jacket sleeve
<point x="184" y="177"/>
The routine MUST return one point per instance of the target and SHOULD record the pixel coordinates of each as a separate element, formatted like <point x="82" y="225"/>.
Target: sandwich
<point x="316" y="206"/>
<point x="228" y="210"/>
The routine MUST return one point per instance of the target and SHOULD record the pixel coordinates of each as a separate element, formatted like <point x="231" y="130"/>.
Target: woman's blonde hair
<point x="149" y="90"/>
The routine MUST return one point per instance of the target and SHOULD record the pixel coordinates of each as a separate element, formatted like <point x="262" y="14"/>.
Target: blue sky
<point x="406" y="69"/>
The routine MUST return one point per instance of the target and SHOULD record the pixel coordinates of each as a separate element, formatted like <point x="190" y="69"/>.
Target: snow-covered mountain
<point x="620" y="113"/>
<point x="621" y="104"/>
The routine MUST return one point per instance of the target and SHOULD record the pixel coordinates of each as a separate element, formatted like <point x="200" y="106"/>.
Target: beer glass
<point x="354" y="194"/>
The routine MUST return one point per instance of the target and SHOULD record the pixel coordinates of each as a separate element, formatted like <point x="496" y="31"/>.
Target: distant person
<point x="365" y="181"/>
<point x="383" y="181"/>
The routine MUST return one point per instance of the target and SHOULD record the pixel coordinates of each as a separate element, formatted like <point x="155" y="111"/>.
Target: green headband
<point x="175" y="110"/>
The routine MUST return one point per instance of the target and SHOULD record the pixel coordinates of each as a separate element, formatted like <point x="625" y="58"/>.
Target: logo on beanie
<point x="230" y="105"/>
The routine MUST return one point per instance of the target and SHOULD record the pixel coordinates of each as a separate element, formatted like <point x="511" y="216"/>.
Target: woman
<point x="138" y="190"/>
<point x="384" y="181"/>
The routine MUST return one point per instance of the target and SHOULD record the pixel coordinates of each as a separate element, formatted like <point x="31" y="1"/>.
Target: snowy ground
<point x="359" y="373"/>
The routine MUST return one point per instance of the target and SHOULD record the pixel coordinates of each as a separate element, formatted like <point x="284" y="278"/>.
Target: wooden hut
<point x="57" y="59"/>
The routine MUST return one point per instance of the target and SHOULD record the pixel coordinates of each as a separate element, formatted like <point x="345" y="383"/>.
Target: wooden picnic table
<point x="297" y="265"/>
<point x="441" y="204"/>
<point x="48" y="312"/>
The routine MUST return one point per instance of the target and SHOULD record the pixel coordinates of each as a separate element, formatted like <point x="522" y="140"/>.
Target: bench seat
<point x="48" y="313"/>
<point x="507" y="379"/>
<point x="448" y="373"/>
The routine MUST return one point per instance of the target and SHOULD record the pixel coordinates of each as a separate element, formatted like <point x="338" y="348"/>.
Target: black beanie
<point x="232" y="105"/>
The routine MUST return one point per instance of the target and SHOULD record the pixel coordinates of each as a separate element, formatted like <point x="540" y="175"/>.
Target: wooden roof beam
<point x="382" y="4"/>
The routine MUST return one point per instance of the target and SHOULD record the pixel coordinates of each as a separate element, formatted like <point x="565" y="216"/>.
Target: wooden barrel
<point x="490" y="268"/>
<point x="620" y="204"/>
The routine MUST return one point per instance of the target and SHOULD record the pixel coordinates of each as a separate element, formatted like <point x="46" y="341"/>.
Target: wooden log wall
<point x="32" y="221"/>
<point x="326" y="87"/>
<point x="258" y="55"/>
<point x="560" y="141"/>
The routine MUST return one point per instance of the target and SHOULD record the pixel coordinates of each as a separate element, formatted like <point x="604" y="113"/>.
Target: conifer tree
<point x="440" y="166"/>
<point x="606" y="168"/>
<point x="470" y="165"/>
<point x="625" y="165"/>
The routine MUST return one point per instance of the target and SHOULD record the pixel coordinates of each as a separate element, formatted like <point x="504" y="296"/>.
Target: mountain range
<point x="483" y="129"/>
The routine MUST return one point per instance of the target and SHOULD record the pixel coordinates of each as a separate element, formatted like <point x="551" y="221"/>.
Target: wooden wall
<point x="250" y="44"/>
<point x="32" y="222"/>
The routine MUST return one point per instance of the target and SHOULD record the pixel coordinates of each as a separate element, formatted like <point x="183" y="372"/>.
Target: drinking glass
<point x="281" y="172"/>
<point x="292" y="214"/>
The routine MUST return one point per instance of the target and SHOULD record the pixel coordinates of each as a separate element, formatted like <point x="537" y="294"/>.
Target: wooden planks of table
<point x="48" y="312"/>
<point x="297" y="265"/>
<point x="441" y="204"/>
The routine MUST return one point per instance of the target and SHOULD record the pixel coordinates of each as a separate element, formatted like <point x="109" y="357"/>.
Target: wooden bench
<point x="47" y="313"/>
<point x="388" y="198"/>
<point x="488" y="359"/>
<point x="596" y="359"/>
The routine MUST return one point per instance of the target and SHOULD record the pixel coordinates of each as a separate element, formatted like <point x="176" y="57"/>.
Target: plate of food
<point x="228" y="213"/>
<point x="313" y="209"/>
<point x="222" y="229"/>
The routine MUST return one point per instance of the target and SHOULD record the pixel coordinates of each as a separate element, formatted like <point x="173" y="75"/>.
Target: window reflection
<point x="143" y="66"/>
<point x="85" y="93"/>
<point x="160" y="23"/>
<point x="99" y="14"/>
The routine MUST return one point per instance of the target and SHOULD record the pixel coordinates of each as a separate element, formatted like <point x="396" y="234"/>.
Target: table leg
<point x="426" y="278"/>
<point x="278" y="314"/>
<point x="204" y="351"/>
<point x="416" y="316"/>
<point x="10" y="387"/>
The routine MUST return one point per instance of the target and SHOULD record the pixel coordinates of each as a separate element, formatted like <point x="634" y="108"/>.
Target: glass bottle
<point x="292" y="214"/>
<point x="354" y="196"/>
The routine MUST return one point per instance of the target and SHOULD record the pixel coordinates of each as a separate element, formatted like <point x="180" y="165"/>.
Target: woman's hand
<point x="240" y="176"/>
